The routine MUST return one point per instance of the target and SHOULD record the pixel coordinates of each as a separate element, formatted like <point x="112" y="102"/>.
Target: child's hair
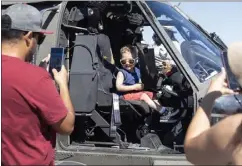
<point x="125" y="49"/>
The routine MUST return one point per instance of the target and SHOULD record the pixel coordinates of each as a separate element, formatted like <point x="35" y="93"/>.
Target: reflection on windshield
<point x="201" y="54"/>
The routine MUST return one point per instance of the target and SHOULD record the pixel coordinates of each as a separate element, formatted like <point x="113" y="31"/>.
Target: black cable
<point x="82" y="45"/>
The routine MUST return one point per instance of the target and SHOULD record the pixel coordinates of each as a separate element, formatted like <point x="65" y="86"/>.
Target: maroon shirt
<point x="30" y="105"/>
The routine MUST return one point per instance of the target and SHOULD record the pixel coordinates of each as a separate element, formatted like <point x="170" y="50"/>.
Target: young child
<point x="128" y="81"/>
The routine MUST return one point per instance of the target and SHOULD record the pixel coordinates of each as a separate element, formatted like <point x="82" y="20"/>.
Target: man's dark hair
<point x="9" y="34"/>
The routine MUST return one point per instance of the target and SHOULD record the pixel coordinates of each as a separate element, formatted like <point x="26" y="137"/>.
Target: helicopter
<point x="108" y="129"/>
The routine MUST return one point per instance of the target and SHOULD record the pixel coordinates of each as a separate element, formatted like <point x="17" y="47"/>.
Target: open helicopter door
<point x="196" y="57"/>
<point x="161" y="15"/>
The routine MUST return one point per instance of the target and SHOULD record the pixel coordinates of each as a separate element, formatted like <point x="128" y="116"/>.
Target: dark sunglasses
<point x="124" y="61"/>
<point x="41" y="37"/>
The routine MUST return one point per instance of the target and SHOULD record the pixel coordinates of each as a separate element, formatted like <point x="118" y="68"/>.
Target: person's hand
<point x="45" y="62"/>
<point x="46" y="59"/>
<point x="61" y="77"/>
<point x="219" y="84"/>
<point x="138" y="87"/>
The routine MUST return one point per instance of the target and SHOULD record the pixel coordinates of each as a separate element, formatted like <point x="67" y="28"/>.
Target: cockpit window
<point x="203" y="57"/>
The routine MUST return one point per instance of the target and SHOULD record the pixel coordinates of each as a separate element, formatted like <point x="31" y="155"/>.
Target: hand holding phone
<point x="61" y="77"/>
<point x="231" y="79"/>
<point x="57" y="58"/>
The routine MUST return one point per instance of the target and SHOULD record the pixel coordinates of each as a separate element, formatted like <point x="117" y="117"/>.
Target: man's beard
<point x="31" y="55"/>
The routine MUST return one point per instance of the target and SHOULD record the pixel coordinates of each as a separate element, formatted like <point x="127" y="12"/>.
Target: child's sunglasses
<point x="124" y="61"/>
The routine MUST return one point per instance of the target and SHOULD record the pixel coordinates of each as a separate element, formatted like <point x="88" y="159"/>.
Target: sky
<point x="224" y="18"/>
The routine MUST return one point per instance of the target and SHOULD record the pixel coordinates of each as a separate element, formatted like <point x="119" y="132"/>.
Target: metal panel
<point x="4" y="2"/>
<point x="101" y="158"/>
<point x="51" y="19"/>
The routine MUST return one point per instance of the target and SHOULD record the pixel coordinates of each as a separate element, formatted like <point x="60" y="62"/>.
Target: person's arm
<point x="126" y="88"/>
<point x="205" y="145"/>
<point x="219" y="144"/>
<point x="112" y="59"/>
<point x="158" y="57"/>
<point x="56" y="109"/>
<point x="165" y="56"/>
<point x="66" y="125"/>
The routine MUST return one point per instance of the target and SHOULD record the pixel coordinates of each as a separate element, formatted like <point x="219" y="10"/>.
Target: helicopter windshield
<point x="203" y="57"/>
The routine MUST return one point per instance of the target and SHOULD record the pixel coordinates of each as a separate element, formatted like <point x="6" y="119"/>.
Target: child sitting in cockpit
<point x="129" y="84"/>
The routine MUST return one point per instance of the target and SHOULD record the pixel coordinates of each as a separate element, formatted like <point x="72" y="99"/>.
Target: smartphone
<point x="231" y="79"/>
<point x="57" y="58"/>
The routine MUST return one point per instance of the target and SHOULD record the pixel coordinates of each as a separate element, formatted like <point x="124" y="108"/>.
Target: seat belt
<point x="115" y="116"/>
<point x="116" y="110"/>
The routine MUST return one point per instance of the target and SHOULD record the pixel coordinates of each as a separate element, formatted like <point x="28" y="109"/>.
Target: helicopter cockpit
<point x="93" y="33"/>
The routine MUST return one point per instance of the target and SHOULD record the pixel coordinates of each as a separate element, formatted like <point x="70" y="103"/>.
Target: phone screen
<point x="231" y="79"/>
<point x="56" y="59"/>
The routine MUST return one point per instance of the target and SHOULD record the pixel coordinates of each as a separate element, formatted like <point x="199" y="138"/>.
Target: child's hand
<point x="138" y="87"/>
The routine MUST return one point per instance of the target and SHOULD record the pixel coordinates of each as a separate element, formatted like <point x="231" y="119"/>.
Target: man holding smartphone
<point x="32" y="108"/>
<point x="220" y="144"/>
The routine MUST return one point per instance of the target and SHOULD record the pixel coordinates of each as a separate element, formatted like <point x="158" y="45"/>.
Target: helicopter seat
<point x="83" y="83"/>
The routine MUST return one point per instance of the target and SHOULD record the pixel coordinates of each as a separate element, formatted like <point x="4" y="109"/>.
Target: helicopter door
<point x="204" y="61"/>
